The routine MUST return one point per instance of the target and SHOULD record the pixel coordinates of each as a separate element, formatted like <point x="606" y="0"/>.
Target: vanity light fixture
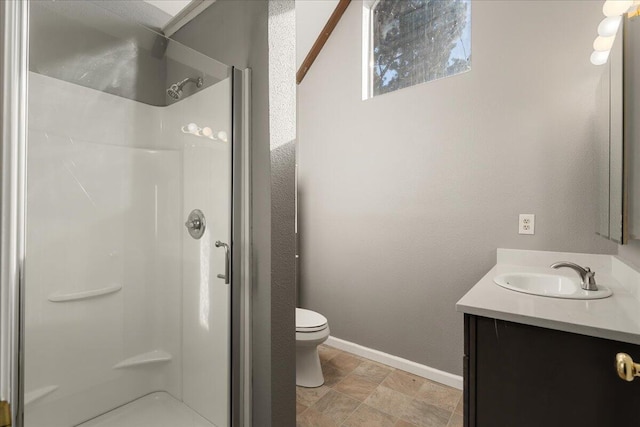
<point x="609" y="26"/>
<point x="616" y="7"/>
<point x="599" y="57"/>
<point x="613" y="11"/>
<point x="603" y="43"/>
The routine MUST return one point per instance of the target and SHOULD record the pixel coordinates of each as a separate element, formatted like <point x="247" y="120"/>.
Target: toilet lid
<point x="309" y="321"/>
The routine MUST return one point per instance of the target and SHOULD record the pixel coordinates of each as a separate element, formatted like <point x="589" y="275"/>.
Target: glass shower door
<point x="127" y="294"/>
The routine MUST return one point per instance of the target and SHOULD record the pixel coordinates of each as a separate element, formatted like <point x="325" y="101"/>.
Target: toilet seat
<point x="309" y="321"/>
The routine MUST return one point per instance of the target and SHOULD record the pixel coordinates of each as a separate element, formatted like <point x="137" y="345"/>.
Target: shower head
<point x="175" y="90"/>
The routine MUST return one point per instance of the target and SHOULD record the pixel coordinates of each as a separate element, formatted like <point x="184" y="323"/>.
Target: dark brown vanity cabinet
<point x="518" y="375"/>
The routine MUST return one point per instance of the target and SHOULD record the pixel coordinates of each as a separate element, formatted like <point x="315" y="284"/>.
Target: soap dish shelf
<point x="152" y="357"/>
<point x="83" y="295"/>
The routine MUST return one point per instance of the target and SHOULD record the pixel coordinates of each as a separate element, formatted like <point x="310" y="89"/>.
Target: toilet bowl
<point x="312" y="329"/>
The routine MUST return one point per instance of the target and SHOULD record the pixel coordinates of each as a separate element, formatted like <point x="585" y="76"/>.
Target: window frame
<point x="368" y="54"/>
<point x="367" y="48"/>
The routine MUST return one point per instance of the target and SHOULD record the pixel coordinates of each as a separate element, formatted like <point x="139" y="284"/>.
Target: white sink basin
<point x="549" y="285"/>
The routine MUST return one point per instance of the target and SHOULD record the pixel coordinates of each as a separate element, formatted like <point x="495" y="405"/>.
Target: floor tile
<point x="424" y="415"/>
<point x="373" y="371"/>
<point x="356" y="386"/>
<point x="312" y="418"/>
<point x="362" y="393"/>
<point x="333" y="375"/>
<point x="366" y="416"/>
<point x="326" y="352"/>
<point x="388" y="401"/>
<point x="344" y="361"/>
<point x="439" y="395"/>
<point x="336" y="406"/>
<point x="460" y="407"/>
<point x="300" y="408"/>
<point x="456" y="421"/>
<point x="309" y="396"/>
<point x="403" y="382"/>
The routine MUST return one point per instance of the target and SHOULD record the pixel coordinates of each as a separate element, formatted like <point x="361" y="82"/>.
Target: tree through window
<point x="416" y="41"/>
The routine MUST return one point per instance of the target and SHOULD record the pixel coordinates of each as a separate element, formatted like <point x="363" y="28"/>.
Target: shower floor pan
<point x="153" y="410"/>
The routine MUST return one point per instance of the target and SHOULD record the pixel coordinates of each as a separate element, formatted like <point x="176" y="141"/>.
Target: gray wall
<point x="404" y="198"/>
<point x="254" y="34"/>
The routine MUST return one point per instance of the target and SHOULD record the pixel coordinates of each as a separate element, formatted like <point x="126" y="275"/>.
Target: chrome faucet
<point x="588" y="279"/>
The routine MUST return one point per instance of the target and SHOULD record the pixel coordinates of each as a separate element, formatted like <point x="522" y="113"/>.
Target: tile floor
<point x="359" y="392"/>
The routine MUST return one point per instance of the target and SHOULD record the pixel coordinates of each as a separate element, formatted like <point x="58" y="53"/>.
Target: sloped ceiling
<point x="171" y="7"/>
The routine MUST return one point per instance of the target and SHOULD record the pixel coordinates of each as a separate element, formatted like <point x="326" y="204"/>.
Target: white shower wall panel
<point x="104" y="212"/>
<point x="206" y="307"/>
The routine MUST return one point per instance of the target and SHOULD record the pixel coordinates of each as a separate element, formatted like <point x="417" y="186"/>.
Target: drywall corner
<point x="282" y="128"/>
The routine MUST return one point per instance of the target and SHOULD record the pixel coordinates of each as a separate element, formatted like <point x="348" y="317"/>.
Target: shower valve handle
<point x="227" y="261"/>
<point x="195" y="224"/>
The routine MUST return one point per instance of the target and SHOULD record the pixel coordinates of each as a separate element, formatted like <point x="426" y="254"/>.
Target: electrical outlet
<point x="526" y="224"/>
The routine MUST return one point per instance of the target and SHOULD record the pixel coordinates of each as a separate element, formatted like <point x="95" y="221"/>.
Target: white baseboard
<point x="423" y="371"/>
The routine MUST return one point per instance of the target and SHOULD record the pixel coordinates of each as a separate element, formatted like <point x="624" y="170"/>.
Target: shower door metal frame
<point x="14" y="68"/>
<point x="240" y="327"/>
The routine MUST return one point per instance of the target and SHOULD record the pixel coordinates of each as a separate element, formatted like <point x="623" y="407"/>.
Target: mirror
<point x="610" y="151"/>
<point x="631" y="128"/>
<point x="619" y="154"/>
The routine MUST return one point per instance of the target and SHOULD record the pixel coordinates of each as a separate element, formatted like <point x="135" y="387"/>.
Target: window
<point x="408" y="42"/>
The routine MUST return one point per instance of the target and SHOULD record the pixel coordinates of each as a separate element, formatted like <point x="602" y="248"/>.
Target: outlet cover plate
<point x="526" y="224"/>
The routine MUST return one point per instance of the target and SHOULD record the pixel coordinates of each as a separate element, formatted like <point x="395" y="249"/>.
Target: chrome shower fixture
<point x="175" y="90"/>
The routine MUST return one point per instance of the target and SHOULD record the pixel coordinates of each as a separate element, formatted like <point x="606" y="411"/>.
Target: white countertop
<point x="615" y="318"/>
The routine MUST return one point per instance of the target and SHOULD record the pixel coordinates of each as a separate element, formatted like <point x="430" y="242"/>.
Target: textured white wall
<point x="282" y="132"/>
<point x="405" y="197"/>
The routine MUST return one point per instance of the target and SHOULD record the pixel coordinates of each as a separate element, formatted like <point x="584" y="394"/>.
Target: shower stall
<point x="122" y="222"/>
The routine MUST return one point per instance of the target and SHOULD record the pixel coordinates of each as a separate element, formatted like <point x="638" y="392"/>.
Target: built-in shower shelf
<point x="38" y="394"/>
<point x="75" y="296"/>
<point x="155" y="356"/>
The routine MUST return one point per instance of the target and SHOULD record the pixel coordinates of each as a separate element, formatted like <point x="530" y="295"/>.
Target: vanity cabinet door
<point x="525" y="376"/>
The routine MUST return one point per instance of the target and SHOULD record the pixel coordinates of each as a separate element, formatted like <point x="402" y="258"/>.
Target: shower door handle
<point x="227" y="261"/>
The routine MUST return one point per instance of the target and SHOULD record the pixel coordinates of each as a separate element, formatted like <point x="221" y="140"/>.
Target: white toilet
<point x="312" y="329"/>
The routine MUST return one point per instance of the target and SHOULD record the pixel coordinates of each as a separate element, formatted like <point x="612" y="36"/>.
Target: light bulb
<point x="603" y="43"/>
<point x="616" y="7"/>
<point x="609" y="26"/>
<point x="192" y="127"/>
<point x="222" y="136"/>
<point x="599" y="58"/>
<point x="207" y="131"/>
